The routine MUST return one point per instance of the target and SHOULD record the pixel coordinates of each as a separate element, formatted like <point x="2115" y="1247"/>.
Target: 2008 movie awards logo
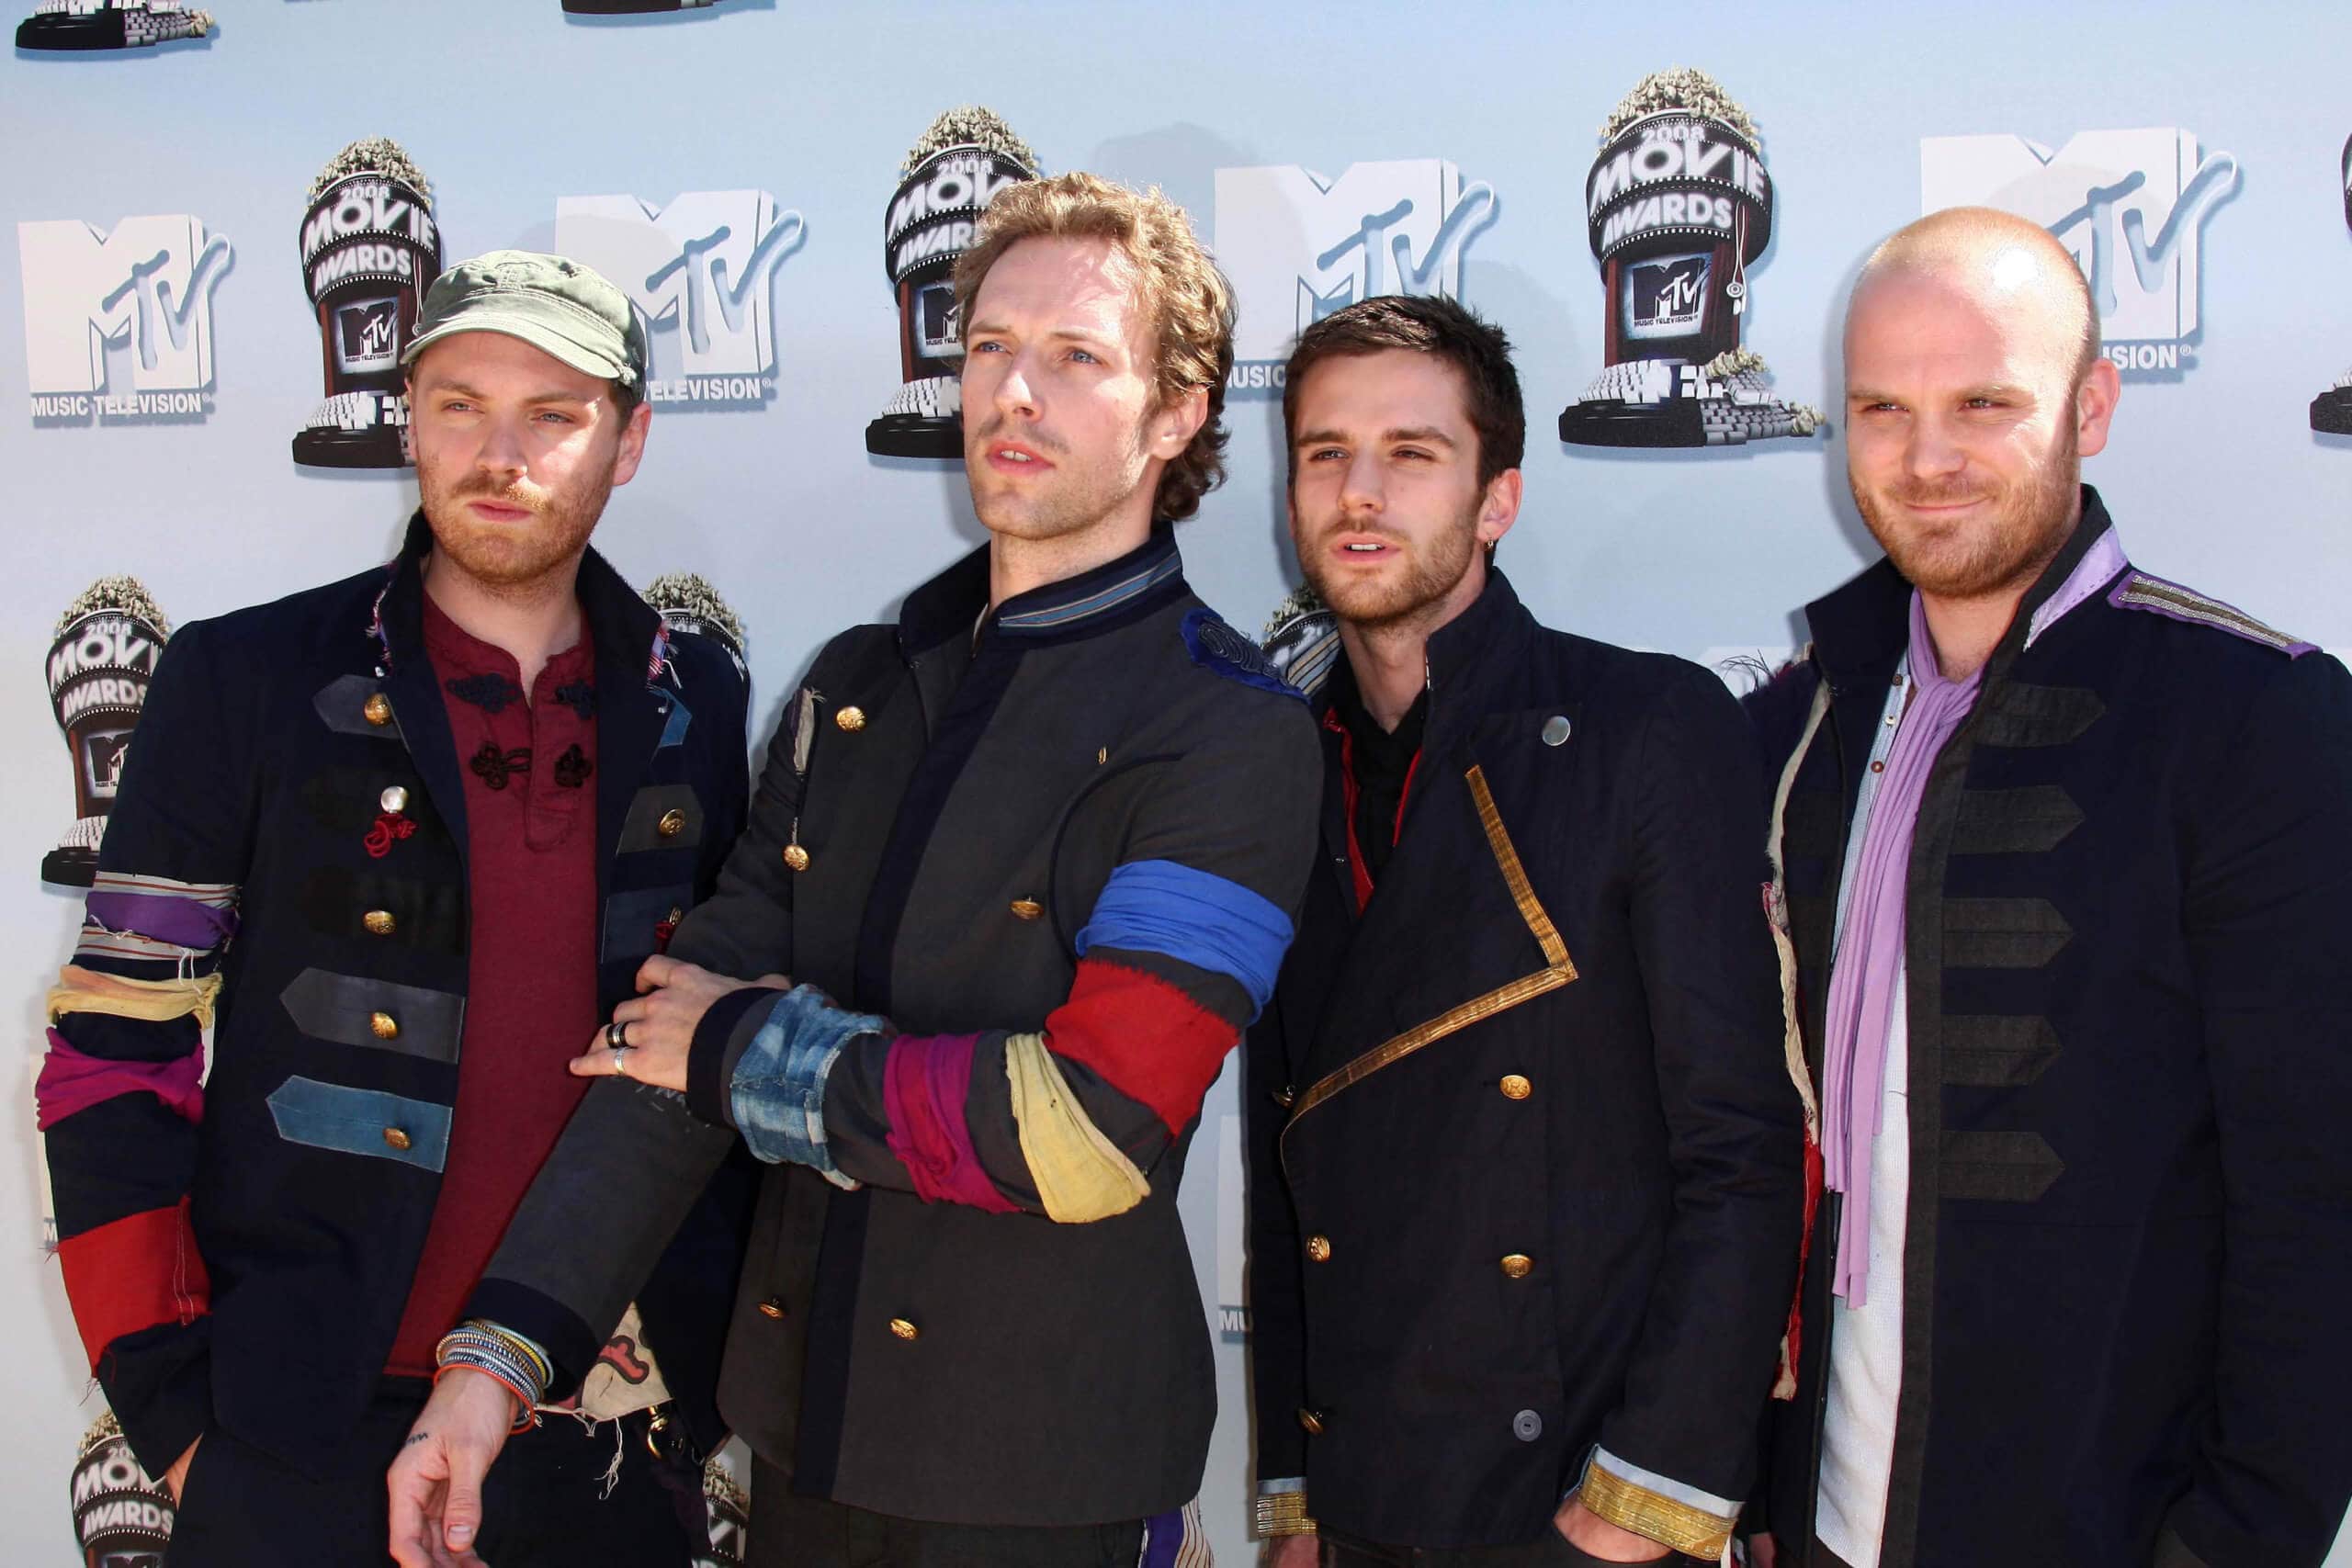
<point x="700" y="272"/>
<point x="119" y="323"/>
<point x="2131" y="205"/>
<point x="1298" y="246"/>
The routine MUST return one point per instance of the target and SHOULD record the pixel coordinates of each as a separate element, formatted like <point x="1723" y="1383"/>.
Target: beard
<point x="1429" y="574"/>
<point x="2030" y="519"/>
<point x="1073" y="496"/>
<point x="513" y="556"/>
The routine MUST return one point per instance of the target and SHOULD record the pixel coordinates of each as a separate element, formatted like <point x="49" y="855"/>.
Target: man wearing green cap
<point x="445" y="808"/>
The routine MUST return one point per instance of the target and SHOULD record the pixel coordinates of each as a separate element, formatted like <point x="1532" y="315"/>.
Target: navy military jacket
<point x="941" y="834"/>
<point x="249" y="1268"/>
<point x="1526" y="1163"/>
<point x="2128" y="1238"/>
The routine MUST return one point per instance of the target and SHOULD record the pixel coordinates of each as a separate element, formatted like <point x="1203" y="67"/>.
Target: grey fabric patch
<point x="1998" y="1168"/>
<point x="2003" y="933"/>
<point x="342" y="1008"/>
<point x="342" y="703"/>
<point x="642" y="828"/>
<point x="1998" y="1052"/>
<point x="2014" y="822"/>
<point x="2022" y="715"/>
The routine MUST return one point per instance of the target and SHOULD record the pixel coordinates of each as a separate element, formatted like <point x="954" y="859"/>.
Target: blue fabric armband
<point x="1204" y="919"/>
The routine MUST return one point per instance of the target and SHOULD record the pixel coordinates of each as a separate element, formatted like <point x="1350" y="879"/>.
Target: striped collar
<point x="947" y="603"/>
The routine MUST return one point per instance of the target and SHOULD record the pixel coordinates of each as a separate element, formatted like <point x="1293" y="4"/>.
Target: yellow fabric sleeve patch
<point x="1081" y="1174"/>
<point x="156" y="1001"/>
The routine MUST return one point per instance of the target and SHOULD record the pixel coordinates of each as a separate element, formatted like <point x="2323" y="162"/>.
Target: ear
<point x="1171" y="429"/>
<point x="2095" y="406"/>
<point x="1499" y="507"/>
<point x="632" y="450"/>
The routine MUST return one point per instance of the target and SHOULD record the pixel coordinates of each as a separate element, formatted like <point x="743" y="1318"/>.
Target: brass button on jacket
<point x="1518" y="1265"/>
<point x="379" y="922"/>
<point x="1318" y="1247"/>
<point x="672" y="823"/>
<point x="383" y="1026"/>
<point x="796" y="858"/>
<point x="905" y="1330"/>
<point x="772" y="1307"/>
<point x="1515" y="1087"/>
<point x="377" y="710"/>
<point x="851" y="718"/>
<point x="1027" y="910"/>
<point x="1312" y="1420"/>
<point x="396" y="1138"/>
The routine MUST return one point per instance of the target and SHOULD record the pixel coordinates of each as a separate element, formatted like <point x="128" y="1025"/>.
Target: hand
<point x="177" y="1477"/>
<point x="435" y="1484"/>
<point x="1596" y="1536"/>
<point x="659" y="1022"/>
<point x="1762" y="1550"/>
<point x="1291" y="1551"/>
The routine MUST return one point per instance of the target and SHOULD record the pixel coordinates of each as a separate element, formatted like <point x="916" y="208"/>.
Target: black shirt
<point x="1380" y="766"/>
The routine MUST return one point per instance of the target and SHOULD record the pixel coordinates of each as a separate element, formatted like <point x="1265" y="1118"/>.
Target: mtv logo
<point x="368" y="335"/>
<point x="701" y="265"/>
<point x="148" y="285"/>
<point x="2129" y="205"/>
<point x="1668" y="297"/>
<point x="1298" y="247"/>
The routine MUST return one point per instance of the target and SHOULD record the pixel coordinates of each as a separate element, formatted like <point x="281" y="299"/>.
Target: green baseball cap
<point x="553" y="303"/>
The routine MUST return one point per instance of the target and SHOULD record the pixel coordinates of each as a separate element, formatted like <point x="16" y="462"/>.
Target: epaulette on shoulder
<point x="2138" y="590"/>
<point x="1216" y="647"/>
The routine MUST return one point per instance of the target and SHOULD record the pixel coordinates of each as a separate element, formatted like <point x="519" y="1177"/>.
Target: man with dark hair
<point x="2066" y="858"/>
<point x="1030" y="857"/>
<point x="1526" y="1164"/>
<point x="401" y="840"/>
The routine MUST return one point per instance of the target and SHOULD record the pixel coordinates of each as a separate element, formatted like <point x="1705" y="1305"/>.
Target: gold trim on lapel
<point x="1558" y="969"/>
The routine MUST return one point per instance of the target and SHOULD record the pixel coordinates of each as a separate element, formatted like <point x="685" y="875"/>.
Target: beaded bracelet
<point x="509" y="1360"/>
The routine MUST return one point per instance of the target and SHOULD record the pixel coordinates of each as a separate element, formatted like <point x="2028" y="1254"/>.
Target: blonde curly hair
<point x="1189" y="303"/>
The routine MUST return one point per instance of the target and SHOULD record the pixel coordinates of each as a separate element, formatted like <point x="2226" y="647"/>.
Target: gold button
<point x="905" y="1330"/>
<point x="672" y="823"/>
<point x="379" y="922"/>
<point x="1312" y="1420"/>
<point x="377" y="710"/>
<point x="796" y="858"/>
<point x="1518" y="1265"/>
<point x="1514" y="1087"/>
<point x="772" y="1307"/>
<point x="851" y="719"/>
<point x="1027" y="910"/>
<point x="1285" y="1097"/>
<point x="1318" y="1247"/>
<point x="1101" y="755"/>
<point x="393" y="1135"/>
<point x="383" y="1026"/>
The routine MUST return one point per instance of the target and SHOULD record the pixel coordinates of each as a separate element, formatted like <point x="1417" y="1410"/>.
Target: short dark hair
<point x="1423" y="324"/>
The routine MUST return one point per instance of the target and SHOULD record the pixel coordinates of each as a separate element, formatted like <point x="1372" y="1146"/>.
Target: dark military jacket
<point x="1061" y="838"/>
<point x="2130" y="1019"/>
<point x="1526" y="1162"/>
<point x="247" y="1266"/>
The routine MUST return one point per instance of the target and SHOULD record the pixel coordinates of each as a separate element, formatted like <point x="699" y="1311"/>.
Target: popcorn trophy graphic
<point x="689" y="603"/>
<point x="966" y="156"/>
<point x="100" y="663"/>
<point x="109" y="24"/>
<point x="1678" y="205"/>
<point x="1302" y="639"/>
<point x="2332" y="410"/>
<point x="122" y="1516"/>
<point x="370" y="249"/>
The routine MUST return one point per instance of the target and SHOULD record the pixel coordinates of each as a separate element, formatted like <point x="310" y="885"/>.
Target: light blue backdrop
<point x="510" y="108"/>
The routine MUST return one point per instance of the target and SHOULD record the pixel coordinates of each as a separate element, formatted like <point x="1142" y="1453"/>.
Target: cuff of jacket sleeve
<point x="727" y="1027"/>
<point x="777" y="1091"/>
<point x="572" y="1347"/>
<point x="1280" y="1509"/>
<point x="1688" y="1526"/>
<point x="159" y="1384"/>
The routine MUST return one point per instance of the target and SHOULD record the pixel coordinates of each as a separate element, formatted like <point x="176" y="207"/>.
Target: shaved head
<point x="2006" y="265"/>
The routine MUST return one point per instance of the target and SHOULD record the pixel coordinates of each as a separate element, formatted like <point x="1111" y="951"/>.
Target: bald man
<point x="2067" y="862"/>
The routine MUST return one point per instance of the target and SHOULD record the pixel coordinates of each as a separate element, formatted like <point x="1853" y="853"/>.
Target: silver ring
<point x="617" y="1035"/>
<point x="620" y="1059"/>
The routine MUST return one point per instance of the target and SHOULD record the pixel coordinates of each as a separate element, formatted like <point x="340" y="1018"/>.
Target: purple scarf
<point x="1870" y="957"/>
